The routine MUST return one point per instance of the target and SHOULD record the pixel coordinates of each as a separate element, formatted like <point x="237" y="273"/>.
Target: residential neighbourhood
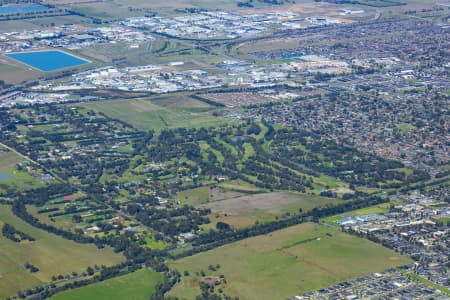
<point x="224" y="150"/>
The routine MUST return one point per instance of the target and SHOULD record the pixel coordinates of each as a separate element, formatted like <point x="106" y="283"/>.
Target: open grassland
<point x="105" y="10"/>
<point x="239" y="185"/>
<point x="157" y="115"/>
<point x="13" y="25"/>
<point x="52" y="254"/>
<point x="60" y="20"/>
<point x="12" y="179"/>
<point x="285" y="263"/>
<point x="135" y="286"/>
<point x="203" y="195"/>
<point x="242" y="207"/>
<point x="169" y="6"/>
<point x="13" y="72"/>
<point x="263" y="207"/>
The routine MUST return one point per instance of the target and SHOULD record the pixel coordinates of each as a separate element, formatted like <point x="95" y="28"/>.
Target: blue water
<point x="16" y="9"/>
<point x="4" y="176"/>
<point x="47" y="60"/>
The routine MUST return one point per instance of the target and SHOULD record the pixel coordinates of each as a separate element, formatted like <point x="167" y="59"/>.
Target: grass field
<point x="12" y="72"/>
<point x="157" y="115"/>
<point x="154" y="244"/>
<point x="53" y="255"/>
<point x="444" y="220"/>
<point x="239" y="185"/>
<point x="203" y="195"/>
<point x="16" y="180"/>
<point x="263" y="207"/>
<point x="285" y="263"/>
<point x="135" y="286"/>
<point x="405" y="127"/>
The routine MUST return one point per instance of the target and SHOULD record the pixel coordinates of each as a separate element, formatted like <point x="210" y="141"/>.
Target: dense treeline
<point x="15" y="235"/>
<point x="170" y="222"/>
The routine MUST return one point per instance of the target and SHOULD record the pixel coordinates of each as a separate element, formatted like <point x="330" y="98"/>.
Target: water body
<point x="47" y="61"/>
<point x="4" y="176"/>
<point x="20" y="9"/>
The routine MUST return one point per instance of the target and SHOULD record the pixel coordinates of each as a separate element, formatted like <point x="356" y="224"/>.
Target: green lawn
<point x="135" y="286"/>
<point x="154" y="244"/>
<point x="146" y="115"/>
<point x="52" y="254"/>
<point x="405" y="127"/>
<point x="444" y="220"/>
<point x="249" y="151"/>
<point x="285" y="263"/>
<point x="195" y="196"/>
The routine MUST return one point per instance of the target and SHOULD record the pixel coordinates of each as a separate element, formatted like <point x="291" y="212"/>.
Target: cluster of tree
<point x="128" y="244"/>
<point x="170" y="279"/>
<point x="170" y="222"/>
<point x="42" y="195"/>
<point x="270" y="170"/>
<point x="343" y="162"/>
<point x="208" y="292"/>
<point x="43" y="292"/>
<point x="87" y="130"/>
<point x="15" y="235"/>
<point x="30" y="267"/>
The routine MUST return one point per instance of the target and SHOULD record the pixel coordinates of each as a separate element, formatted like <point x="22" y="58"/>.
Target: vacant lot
<point x="13" y="72"/>
<point x="52" y="254"/>
<point x="239" y="186"/>
<point x="203" y="195"/>
<point x="157" y="115"/>
<point x="270" y="202"/>
<point x="135" y="286"/>
<point x="285" y="263"/>
<point x="245" y="210"/>
<point x="236" y="99"/>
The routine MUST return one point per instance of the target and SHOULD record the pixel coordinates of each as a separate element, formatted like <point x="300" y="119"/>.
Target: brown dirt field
<point x="272" y="203"/>
<point x="220" y="194"/>
<point x="269" y="202"/>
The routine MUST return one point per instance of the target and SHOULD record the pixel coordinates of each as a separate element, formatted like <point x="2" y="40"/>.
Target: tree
<point x="223" y="226"/>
